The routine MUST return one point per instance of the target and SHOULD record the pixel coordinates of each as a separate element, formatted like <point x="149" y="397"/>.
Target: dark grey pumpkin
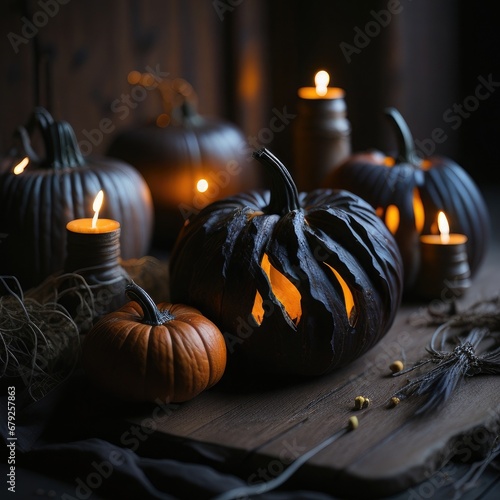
<point x="297" y="284"/>
<point x="415" y="190"/>
<point x="174" y="158"/>
<point x="36" y="205"/>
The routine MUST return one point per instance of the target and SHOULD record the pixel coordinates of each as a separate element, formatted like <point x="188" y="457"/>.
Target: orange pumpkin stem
<point x="152" y="315"/>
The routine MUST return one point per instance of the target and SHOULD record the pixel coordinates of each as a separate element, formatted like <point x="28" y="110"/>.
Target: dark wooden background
<point x="246" y="58"/>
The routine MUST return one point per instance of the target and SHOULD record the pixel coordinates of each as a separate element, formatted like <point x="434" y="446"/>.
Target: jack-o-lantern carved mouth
<point x="284" y="291"/>
<point x="287" y="294"/>
<point x="391" y="216"/>
<point x="350" y="307"/>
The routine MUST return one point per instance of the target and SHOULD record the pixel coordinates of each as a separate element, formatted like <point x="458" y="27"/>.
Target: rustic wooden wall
<point x="246" y="58"/>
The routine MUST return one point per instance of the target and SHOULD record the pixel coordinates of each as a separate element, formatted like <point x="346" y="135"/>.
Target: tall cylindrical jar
<point x="96" y="257"/>
<point x="322" y="135"/>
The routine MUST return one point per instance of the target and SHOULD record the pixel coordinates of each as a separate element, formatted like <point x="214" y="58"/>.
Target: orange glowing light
<point x="283" y="290"/>
<point x="202" y="185"/>
<point x="444" y="228"/>
<point x="163" y="120"/>
<point x="348" y="296"/>
<point x="418" y="211"/>
<point x="134" y="77"/>
<point x="392" y="218"/>
<point x="96" y="207"/>
<point x="19" y="168"/>
<point x="321" y="80"/>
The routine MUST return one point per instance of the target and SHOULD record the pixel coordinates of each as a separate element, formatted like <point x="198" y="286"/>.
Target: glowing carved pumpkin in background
<point x="188" y="160"/>
<point x="407" y="192"/>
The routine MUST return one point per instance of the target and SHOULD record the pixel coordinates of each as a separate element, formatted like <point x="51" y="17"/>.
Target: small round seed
<point x="396" y="367"/>
<point x="359" y="401"/>
<point x="395" y="401"/>
<point x="353" y="423"/>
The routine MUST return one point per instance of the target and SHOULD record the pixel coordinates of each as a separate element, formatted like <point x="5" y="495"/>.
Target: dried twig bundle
<point x="39" y="342"/>
<point x="465" y="344"/>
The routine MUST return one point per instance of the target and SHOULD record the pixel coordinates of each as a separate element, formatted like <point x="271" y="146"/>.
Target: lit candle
<point x="321" y="90"/>
<point x="444" y="237"/>
<point x="93" y="251"/>
<point x="19" y="167"/>
<point x="94" y="224"/>
<point x="321" y="132"/>
<point x="444" y="267"/>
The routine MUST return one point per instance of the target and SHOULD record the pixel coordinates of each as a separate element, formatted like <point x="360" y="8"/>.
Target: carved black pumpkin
<point x="188" y="161"/>
<point x="408" y="192"/>
<point x="39" y="196"/>
<point x="297" y="284"/>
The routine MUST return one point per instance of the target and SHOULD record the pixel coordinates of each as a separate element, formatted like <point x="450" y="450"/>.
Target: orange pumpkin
<point x="143" y="352"/>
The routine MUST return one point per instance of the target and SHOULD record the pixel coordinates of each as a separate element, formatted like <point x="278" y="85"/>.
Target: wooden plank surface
<point x="264" y="426"/>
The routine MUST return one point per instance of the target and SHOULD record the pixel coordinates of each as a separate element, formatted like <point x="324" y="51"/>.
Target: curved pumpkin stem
<point x="284" y="195"/>
<point x="61" y="147"/>
<point x="406" y="144"/>
<point x="152" y="315"/>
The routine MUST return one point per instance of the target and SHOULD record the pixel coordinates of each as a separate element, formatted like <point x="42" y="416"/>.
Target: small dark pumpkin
<point x="408" y="192"/>
<point x="174" y="156"/>
<point x="298" y="285"/>
<point x="36" y="203"/>
<point x="145" y="352"/>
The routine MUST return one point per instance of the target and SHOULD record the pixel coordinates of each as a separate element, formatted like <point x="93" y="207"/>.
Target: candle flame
<point x="202" y="185"/>
<point x="321" y="80"/>
<point x="96" y="207"/>
<point x="19" y="168"/>
<point x="444" y="227"/>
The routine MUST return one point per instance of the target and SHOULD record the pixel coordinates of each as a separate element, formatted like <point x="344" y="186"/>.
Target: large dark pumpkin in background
<point x="408" y="192"/>
<point x="298" y="285"/>
<point x="187" y="160"/>
<point x="40" y="194"/>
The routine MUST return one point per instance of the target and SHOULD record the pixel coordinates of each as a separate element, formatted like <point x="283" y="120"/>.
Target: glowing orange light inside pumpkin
<point x="444" y="228"/>
<point x="392" y="218"/>
<point x="348" y="297"/>
<point x="19" y="168"/>
<point x="321" y="80"/>
<point x="284" y="291"/>
<point x="96" y="206"/>
<point x="163" y="120"/>
<point x="418" y="211"/>
<point x="202" y="185"/>
<point x="134" y="77"/>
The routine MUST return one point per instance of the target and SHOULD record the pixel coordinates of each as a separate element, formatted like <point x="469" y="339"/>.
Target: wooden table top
<point x="262" y="428"/>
